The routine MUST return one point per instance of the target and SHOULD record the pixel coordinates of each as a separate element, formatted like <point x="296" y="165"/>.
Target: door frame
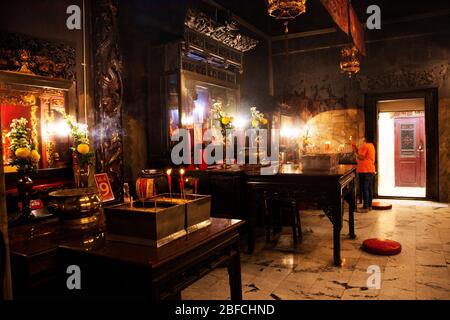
<point x="431" y="131"/>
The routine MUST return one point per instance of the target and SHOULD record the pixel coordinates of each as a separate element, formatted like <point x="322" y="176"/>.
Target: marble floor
<point x="388" y="191"/>
<point x="278" y="270"/>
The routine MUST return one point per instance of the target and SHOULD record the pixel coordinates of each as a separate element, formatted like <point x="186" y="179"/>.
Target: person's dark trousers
<point x="367" y="188"/>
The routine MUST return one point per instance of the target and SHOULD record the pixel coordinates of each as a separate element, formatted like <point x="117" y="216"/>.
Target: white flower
<point x="256" y="114"/>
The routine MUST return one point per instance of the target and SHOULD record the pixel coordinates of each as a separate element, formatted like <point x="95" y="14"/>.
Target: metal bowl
<point x="72" y="204"/>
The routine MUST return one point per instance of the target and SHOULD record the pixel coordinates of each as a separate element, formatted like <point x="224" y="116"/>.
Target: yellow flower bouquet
<point x="23" y="155"/>
<point x="81" y="149"/>
<point x="258" y="119"/>
<point x="225" y="120"/>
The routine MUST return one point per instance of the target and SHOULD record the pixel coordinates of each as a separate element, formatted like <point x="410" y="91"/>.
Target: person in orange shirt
<point x="366" y="171"/>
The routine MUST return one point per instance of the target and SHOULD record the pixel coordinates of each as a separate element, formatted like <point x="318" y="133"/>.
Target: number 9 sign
<point x="104" y="187"/>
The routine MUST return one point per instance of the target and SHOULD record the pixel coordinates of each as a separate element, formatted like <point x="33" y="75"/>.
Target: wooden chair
<point x="274" y="206"/>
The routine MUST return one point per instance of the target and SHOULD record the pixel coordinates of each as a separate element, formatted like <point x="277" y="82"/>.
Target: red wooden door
<point x="410" y="152"/>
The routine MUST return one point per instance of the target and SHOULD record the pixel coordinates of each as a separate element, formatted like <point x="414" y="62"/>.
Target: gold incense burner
<point x="77" y="208"/>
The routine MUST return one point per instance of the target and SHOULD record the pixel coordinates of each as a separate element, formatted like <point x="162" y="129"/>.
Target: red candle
<point x="181" y="189"/>
<point x="154" y="194"/>
<point x="195" y="185"/>
<point x="169" y="180"/>
<point x="182" y="181"/>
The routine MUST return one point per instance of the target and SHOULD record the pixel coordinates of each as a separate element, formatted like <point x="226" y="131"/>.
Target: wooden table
<point x="328" y="189"/>
<point x="112" y="269"/>
<point x="33" y="251"/>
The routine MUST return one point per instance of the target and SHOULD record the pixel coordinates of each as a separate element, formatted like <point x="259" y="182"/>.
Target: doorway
<point x="401" y="148"/>
<point x="405" y="128"/>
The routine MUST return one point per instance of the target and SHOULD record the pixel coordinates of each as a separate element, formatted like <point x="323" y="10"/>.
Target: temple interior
<point x="225" y="150"/>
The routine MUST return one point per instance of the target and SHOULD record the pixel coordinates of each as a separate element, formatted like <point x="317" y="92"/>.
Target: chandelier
<point x="286" y="9"/>
<point x="350" y="63"/>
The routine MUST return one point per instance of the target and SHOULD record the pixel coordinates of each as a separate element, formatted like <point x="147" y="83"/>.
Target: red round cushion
<point x="383" y="247"/>
<point x="381" y="206"/>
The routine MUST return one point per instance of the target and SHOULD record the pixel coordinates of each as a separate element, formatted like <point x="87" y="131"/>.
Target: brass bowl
<point x="72" y="204"/>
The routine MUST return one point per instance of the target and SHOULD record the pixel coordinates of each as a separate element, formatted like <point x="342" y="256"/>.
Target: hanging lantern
<point x="350" y="62"/>
<point x="286" y="9"/>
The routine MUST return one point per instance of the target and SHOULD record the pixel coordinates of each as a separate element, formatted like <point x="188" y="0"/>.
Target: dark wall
<point x="254" y="81"/>
<point x="46" y="19"/>
<point x="402" y="56"/>
<point x="144" y="25"/>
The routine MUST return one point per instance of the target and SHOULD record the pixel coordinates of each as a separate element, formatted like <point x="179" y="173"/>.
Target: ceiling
<point x="316" y="17"/>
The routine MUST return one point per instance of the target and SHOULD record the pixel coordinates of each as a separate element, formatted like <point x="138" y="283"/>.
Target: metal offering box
<point x="198" y="209"/>
<point x="144" y="223"/>
<point x="318" y="162"/>
<point x="159" y="222"/>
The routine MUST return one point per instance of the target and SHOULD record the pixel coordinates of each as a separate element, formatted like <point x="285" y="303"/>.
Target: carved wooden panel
<point x="226" y="34"/>
<point x="212" y="48"/>
<point x="108" y="93"/>
<point x="408" y="140"/>
<point x="405" y="78"/>
<point x="210" y="71"/>
<point x="25" y="54"/>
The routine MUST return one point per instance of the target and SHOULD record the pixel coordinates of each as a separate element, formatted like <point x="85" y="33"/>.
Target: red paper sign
<point x="35" y="204"/>
<point x="104" y="187"/>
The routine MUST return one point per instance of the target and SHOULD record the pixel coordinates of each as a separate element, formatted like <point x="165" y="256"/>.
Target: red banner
<point x="338" y="11"/>
<point x="357" y="32"/>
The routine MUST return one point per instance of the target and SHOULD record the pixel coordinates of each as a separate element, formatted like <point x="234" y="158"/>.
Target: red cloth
<point x="338" y="12"/>
<point x="357" y="32"/>
<point x="383" y="247"/>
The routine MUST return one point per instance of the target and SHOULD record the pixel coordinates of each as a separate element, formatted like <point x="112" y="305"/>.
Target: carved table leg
<point x="351" y="219"/>
<point x="337" y="226"/>
<point x="251" y="222"/>
<point x="351" y="199"/>
<point x="337" y="245"/>
<point x="234" y="274"/>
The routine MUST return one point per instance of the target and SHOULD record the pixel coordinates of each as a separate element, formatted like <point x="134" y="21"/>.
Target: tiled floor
<point x="277" y="270"/>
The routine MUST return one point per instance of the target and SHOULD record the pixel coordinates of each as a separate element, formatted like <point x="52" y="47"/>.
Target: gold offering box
<point x="156" y="223"/>
<point x="318" y="162"/>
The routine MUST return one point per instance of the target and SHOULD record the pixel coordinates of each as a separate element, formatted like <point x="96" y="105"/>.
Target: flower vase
<point x="83" y="176"/>
<point x="257" y="147"/>
<point x="224" y="165"/>
<point x="80" y="173"/>
<point x="24" y="189"/>
<point x="75" y="169"/>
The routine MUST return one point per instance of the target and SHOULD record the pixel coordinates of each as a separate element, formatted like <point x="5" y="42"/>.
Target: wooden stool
<point x="283" y="203"/>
